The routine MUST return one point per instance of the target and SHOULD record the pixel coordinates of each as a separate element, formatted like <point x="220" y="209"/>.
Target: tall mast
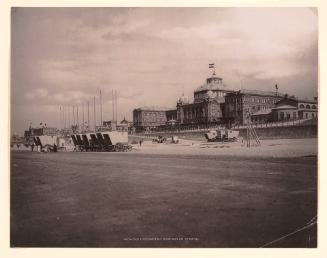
<point x="83" y="116"/>
<point x="64" y="117"/>
<point x="94" y="113"/>
<point x="100" y="108"/>
<point x="116" y="106"/>
<point x="113" y="106"/>
<point x="68" y="116"/>
<point x="59" y="117"/>
<point x="88" y="115"/>
<point x="74" y="114"/>
<point x="77" y="118"/>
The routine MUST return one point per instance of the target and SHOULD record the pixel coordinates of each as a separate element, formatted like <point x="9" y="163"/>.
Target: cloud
<point x="127" y="29"/>
<point x="37" y="94"/>
<point x="267" y="38"/>
<point x="63" y="56"/>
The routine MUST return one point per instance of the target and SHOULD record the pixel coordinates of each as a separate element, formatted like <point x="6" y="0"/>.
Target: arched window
<point x="301" y="106"/>
<point x="314" y="107"/>
<point x="307" y="106"/>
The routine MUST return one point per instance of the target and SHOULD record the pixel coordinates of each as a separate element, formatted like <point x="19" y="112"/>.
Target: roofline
<point x="152" y="110"/>
<point x="257" y="94"/>
<point x="300" y="100"/>
<point x="229" y="91"/>
<point x="281" y="107"/>
<point x="261" y="114"/>
<point x="307" y="101"/>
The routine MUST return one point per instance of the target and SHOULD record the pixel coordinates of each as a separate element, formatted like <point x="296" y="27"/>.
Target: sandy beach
<point x="268" y="148"/>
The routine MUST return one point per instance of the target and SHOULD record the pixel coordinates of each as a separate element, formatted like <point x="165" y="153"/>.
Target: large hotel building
<point x="214" y="104"/>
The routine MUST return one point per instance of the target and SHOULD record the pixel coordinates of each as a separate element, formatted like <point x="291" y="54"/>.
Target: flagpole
<point x="113" y="106"/>
<point x="94" y="114"/>
<point x="77" y="118"/>
<point x="83" y="116"/>
<point x="64" y="117"/>
<point x="116" y="107"/>
<point x="88" y="115"/>
<point x="68" y="116"/>
<point x="100" y="108"/>
<point x="59" y="117"/>
<point x="74" y="115"/>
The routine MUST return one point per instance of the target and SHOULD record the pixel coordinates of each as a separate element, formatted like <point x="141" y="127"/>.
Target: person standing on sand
<point x="140" y="142"/>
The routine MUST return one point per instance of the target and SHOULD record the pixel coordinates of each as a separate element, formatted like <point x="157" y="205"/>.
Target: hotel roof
<point x="259" y="92"/>
<point x="285" y="107"/>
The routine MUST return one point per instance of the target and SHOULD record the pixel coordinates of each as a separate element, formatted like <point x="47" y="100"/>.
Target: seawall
<point x="287" y="132"/>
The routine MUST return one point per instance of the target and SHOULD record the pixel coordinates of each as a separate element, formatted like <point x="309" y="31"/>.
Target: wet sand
<point x="161" y="197"/>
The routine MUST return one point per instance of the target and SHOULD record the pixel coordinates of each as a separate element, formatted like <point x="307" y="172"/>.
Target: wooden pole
<point x="83" y="117"/>
<point x="74" y="114"/>
<point x="113" y="106"/>
<point x="94" y="114"/>
<point x="59" y="117"/>
<point x="116" y="107"/>
<point x="88" y="115"/>
<point x="68" y="116"/>
<point x="77" y="118"/>
<point x="100" y="108"/>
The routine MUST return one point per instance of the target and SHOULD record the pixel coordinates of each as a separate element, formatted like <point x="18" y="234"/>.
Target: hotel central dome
<point x="213" y="83"/>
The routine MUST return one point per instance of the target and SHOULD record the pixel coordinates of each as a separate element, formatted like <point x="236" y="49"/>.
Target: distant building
<point x="146" y="118"/>
<point x="290" y="108"/>
<point x="262" y="116"/>
<point x="241" y="105"/>
<point x="108" y="125"/>
<point x="51" y="131"/>
<point x="125" y="125"/>
<point x="126" y="122"/>
<point x="208" y="105"/>
<point x="214" y="104"/>
<point x="171" y="115"/>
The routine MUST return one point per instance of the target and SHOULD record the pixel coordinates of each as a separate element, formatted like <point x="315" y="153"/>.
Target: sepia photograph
<point x="164" y="127"/>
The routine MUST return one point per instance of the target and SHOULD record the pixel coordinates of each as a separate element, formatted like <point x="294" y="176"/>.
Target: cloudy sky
<point x="63" y="56"/>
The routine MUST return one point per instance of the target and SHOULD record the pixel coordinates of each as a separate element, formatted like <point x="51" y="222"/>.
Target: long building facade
<point x="147" y="118"/>
<point x="213" y="103"/>
<point x="240" y="106"/>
